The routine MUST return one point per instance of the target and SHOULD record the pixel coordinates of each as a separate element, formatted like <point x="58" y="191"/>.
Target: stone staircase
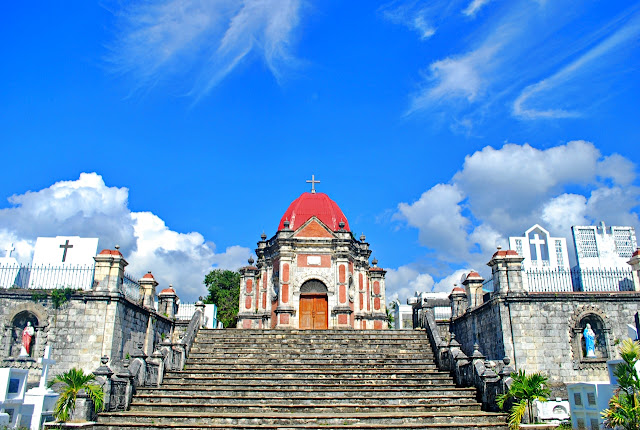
<point x="330" y="379"/>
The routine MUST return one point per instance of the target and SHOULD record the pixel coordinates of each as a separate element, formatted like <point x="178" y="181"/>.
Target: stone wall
<point x="541" y="332"/>
<point x="85" y="327"/>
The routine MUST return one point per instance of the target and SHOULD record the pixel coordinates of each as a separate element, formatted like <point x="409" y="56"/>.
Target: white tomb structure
<point x="402" y="316"/>
<point x="603" y="247"/>
<point x="540" y="250"/>
<point x="9" y="268"/>
<point x="543" y="253"/>
<point x="13" y="384"/>
<point x="588" y="399"/>
<point x="63" y="262"/>
<point x="41" y="398"/>
<point x="552" y="411"/>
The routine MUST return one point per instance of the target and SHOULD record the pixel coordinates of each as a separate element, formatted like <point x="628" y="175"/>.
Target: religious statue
<point x="589" y="341"/>
<point x="27" y="335"/>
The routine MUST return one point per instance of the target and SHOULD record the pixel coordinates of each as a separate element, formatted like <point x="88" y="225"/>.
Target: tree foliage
<point x="624" y="406"/>
<point x="224" y="292"/>
<point x="73" y="381"/>
<point x="524" y="390"/>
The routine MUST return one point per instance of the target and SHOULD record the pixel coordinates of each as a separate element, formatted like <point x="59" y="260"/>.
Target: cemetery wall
<point x="87" y="326"/>
<point x="542" y="332"/>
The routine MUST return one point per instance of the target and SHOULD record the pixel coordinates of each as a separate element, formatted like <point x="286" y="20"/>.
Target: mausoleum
<point x="313" y="273"/>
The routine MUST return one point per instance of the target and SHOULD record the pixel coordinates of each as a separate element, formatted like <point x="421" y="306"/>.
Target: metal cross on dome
<point x="313" y="183"/>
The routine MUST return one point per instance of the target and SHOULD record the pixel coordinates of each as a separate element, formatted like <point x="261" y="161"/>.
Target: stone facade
<point x="313" y="273"/>
<point x="542" y="332"/>
<point x="82" y="327"/>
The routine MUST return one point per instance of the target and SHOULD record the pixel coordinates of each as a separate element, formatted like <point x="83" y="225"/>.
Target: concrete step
<point x="284" y="398"/>
<point x="306" y="426"/>
<point x="269" y="380"/>
<point x="325" y="419"/>
<point x="305" y="408"/>
<point x="245" y="374"/>
<point x="326" y="391"/>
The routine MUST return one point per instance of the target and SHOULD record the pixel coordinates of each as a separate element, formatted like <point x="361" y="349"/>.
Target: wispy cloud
<point x="201" y="42"/>
<point x="519" y="43"/>
<point x="474" y="7"/>
<point x="420" y="16"/>
<point x="588" y="63"/>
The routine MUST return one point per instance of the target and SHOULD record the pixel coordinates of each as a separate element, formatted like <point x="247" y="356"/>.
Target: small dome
<point x="310" y="204"/>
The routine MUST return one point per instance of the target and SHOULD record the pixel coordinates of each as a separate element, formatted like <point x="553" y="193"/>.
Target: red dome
<point x="310" y="204"/>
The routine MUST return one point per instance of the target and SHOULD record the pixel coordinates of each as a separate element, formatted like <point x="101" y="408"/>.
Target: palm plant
<point x="624" y="406"/>
<point x="524" y="390"/>
<point x="75" y="380"/>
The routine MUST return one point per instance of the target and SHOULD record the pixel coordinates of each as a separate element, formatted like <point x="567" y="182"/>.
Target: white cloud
<point x="474" y="7"/>
<point x="438" y="217"/>
<point x="447" y="284"/>
<point x="501" y="192"/>
<point x="404" y="282"/>
<point x="87" y="207"/>
<point x="203" y="40"/>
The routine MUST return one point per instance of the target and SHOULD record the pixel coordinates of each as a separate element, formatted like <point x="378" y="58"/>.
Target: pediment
<point x="314" y="228"/>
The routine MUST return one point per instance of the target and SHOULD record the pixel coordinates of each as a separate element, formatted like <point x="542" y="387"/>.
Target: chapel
<point x="313" y="273"/>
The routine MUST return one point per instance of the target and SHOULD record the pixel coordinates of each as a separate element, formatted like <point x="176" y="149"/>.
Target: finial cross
<point x="313" y="183"/>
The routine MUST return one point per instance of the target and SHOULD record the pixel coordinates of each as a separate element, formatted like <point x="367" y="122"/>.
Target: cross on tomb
<point x="10" y="248"/>
<point x="313" y="183"/>
<point x="46" y="361"/>
<point x="66" y="246"/>
<point x="537" y="242"/>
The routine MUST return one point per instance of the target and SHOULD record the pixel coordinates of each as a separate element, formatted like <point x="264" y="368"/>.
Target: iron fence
<point x="131" y="288"/>
<point x="577" y="279"/>
<point x="45" y="277"/>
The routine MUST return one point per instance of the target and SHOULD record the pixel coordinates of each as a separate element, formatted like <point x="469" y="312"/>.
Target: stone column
<point x="635" y="267"/>
<point x="168" y="302"/>
<point x="506" y="268"/>
<point x="473" y="287"/>
<point x="109" y="270"/>
<point x="148" y="286"/>
<point x="459" y="302"/>
<point x="248" y="315"/>
<point x="376" y="276"/>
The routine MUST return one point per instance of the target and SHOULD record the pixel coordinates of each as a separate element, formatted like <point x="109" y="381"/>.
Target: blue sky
<point x="182" y="130"/>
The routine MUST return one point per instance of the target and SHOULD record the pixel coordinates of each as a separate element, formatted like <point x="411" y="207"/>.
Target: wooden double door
<point x="314" y="312"/>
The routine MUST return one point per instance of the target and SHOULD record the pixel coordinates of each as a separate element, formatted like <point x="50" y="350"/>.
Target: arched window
<point x="584" y="355"/>
<point x="313" y="286"/>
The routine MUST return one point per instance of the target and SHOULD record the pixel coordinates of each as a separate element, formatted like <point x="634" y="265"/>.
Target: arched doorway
<point x="314" y="306"/>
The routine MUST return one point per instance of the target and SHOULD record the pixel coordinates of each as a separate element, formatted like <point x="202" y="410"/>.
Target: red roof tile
<point x="110" y="252"/>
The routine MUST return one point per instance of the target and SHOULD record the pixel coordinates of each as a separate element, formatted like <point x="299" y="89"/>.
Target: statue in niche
<point x="589" y="341"/>
<point x="27" y="337"/>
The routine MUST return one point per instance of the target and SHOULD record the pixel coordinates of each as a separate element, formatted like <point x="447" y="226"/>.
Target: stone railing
<point x="490" y="378"/>
<point x="143" y="370"/>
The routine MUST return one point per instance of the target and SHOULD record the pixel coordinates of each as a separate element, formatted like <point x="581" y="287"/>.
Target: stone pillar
<point x="376" y="276"/>
<point x="473" y="287"/>
<point x="635" y="267"/>
<point x="248" y="316"/>
<point x="506" y="268"/>
<point x="168" y="302"/>
<point x="109" y="270"/>
<point x="103" y="378"/>
<point x="459" y="302"/>
<point x="148" y="286"/>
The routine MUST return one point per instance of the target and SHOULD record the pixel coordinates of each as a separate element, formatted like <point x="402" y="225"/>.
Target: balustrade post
<point x="103" y="376"/>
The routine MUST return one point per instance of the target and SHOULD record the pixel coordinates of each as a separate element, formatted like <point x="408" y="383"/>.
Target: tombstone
<point x="63" y="262"/>
<point x="13" y="384"/>
<point x="41" y="398"/>
<point x="552" y="411"/>
<point x="9" y="269"/>
<point x="587" y="400"/>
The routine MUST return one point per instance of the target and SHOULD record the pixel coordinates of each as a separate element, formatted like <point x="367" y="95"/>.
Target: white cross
<point x="536" y="241"/>
<point x="9" y="250"/>
<point x="46" y="361"/>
